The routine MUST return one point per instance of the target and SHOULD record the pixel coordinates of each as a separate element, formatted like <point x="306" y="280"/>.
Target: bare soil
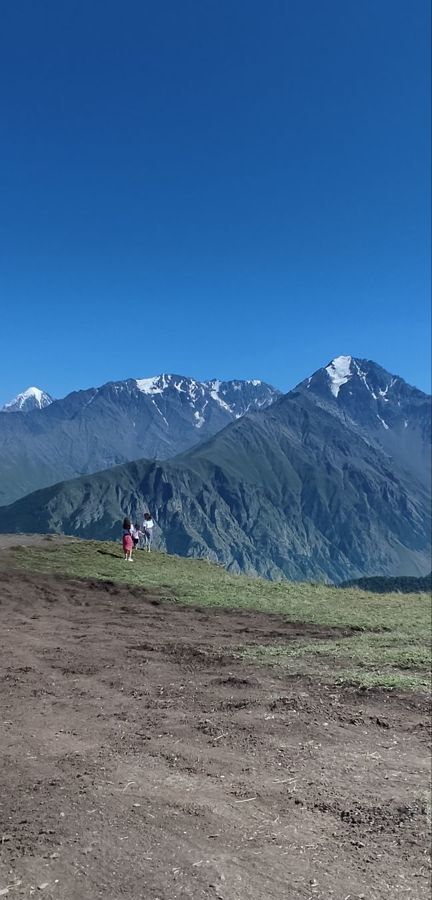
<point x="142" y="759"/>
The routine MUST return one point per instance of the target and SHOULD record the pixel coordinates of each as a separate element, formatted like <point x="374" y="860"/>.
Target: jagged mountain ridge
<point x="300" y="489"/>
<point x="101" y="427"/>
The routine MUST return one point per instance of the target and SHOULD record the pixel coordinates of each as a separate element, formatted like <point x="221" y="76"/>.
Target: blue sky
<point x="223" y="188"/>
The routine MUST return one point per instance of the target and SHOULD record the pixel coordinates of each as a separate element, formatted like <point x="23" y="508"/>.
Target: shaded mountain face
<point x="32" y="398"/>
<point x="383" y="407"/>
<point x="295" y="490"/>
<point x="120" y="421"/>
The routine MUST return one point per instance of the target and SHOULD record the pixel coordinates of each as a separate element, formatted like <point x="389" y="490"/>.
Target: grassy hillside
<point x="389" y="644"/>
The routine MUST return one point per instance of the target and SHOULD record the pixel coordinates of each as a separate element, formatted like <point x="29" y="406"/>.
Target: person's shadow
<point x="108" y="553"/>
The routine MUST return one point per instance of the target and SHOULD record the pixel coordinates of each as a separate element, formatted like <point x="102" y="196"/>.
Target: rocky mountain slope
<point x="120" y="421"/>
<point x="301" y="489"/>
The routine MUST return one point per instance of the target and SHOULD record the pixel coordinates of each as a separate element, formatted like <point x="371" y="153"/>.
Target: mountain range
<point x="121" y="421"/>
<point x="331" y="480"/>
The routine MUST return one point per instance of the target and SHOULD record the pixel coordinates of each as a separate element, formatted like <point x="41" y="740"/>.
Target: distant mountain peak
<point x="361" y="376"/>
<point x="31" y="398"/>
<point x="380" y="405"/>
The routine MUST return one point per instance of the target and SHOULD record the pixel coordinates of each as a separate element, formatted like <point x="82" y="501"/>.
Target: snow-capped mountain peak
<point x="361" y="376"/>
<point x="379" y="405"/>
<point x="32" y="398"/>
<point x="377" y="402"/>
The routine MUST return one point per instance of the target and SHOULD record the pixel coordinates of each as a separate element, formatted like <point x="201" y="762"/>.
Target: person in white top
<point x="147" y="530"/>
<point x="135" y="535"/>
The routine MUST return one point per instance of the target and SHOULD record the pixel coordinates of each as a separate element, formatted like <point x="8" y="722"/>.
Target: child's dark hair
<point x="147" y="516"/>
<point x="126" y="524"/>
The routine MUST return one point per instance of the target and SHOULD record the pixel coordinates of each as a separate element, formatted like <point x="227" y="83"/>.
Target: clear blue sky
<point x="225" y="188"/>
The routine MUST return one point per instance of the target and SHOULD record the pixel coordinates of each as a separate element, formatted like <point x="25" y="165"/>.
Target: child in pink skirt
<point x="127" y="540"/>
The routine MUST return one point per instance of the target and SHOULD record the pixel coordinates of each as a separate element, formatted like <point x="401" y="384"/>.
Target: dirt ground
<point x="141" y="759"/>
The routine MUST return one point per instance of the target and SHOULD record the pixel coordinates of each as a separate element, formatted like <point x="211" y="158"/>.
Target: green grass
<point x="370" y="659"/>
<point x="391" y="647"/>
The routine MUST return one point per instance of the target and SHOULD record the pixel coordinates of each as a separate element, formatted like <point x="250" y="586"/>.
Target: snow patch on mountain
<point x="195" y="390"/>
<point x="152" y="385"/>
<point x="178" y="387"/>
<point x="159" y="411"/>
<point x="384" y="424"/>
<point x="363" y="377"/>
<point x="383" y="394"/>
<point x="339" y="372"/>
<point x="215" y="395"/>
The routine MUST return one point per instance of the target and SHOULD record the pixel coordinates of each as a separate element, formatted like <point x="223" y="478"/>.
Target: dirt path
<point x="141" y="760"/>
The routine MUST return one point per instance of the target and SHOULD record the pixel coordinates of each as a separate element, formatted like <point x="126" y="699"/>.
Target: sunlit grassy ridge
<point x="392" y="646"/>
